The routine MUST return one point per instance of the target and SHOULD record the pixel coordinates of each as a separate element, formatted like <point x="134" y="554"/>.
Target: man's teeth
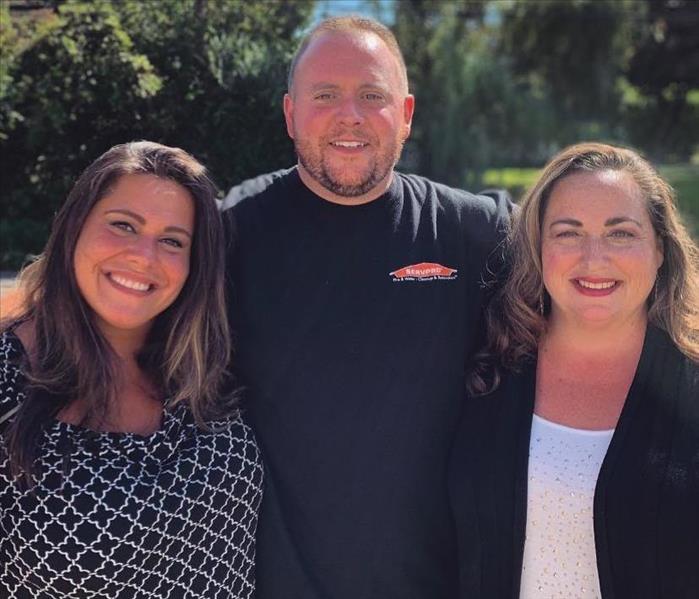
<point x="130" y="284"/>
<point x="589" y="285"/>
<point x="349" y="144"/>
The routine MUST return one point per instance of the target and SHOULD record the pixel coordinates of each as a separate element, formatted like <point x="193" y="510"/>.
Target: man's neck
<point x="377" y="191"/>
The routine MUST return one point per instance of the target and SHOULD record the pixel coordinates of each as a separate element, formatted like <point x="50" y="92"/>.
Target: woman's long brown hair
<point x="187" y="350"/>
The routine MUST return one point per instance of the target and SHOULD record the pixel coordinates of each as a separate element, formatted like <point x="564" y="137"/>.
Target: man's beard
<point x="316" y="165"/>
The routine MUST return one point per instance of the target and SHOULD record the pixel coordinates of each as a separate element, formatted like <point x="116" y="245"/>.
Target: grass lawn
<point x="684" y="178"/>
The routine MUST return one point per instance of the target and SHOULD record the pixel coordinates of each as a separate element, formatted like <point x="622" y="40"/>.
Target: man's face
<point x="348" y="113"/>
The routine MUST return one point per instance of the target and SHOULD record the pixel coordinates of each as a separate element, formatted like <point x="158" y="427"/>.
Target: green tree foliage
<point x="8" y="45"/>
<point x="71" y="91"/>
<point x="574" y="48"/>
<point x="471" y="111"/>
<point x="203" y="76"/>
<point x="623" y="70"/>
<point x="224" y="67"/>
<point x="663" y="116"/>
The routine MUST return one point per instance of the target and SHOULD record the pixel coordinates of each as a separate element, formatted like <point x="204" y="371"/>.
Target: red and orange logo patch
<point x="424" y="271"/>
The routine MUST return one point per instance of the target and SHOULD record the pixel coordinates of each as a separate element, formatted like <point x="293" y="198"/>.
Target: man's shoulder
<point x="266" y="184"/>
<point x="492" y="204"/>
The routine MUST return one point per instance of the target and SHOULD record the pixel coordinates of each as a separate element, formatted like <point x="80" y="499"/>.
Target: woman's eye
<point x="567" y="234"/>
<point x="621" y="234"/>
<point x="122" y="225"/>
<point x="176" y="243"/>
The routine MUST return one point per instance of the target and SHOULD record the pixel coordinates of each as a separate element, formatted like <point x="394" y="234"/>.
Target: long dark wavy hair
<point x="517" y="315"/>
<point x="187" y="349"/>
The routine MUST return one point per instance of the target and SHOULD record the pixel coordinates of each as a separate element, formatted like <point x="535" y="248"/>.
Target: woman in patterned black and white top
<point x="124" y="472"/>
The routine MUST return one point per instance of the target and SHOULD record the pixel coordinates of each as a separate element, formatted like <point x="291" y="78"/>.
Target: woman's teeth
<point x="129" y="283"/>
<point x="589" y="285"/>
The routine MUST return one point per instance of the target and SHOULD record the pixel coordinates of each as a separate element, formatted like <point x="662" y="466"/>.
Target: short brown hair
<point x="349" y="24"/>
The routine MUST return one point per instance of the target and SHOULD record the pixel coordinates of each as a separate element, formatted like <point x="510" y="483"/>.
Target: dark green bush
<point x="208" y="78"/>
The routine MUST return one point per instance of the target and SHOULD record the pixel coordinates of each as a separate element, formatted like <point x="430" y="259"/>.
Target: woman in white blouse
<point x="576" y="468"/>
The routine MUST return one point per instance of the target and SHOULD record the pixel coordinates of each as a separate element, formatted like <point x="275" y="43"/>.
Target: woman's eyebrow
<point x="616" y="220"/>
<point x="133" y="215"/>
<point x="566" y="221"/>
<point x="610" y="222"/>
<point x="142" y="221"/>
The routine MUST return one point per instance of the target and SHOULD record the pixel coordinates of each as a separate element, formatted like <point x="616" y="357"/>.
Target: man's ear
<point x="408" y="110"/>
<point x="289" y="115"/>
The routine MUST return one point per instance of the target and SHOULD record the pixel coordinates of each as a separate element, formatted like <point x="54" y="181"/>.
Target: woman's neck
<point x="584" y="375"/>
<point x="567" y="337"/>
<point x="138" y="406"/>
<point x="126" y="344"/>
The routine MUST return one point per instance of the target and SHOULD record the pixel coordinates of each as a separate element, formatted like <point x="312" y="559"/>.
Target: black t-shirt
<point x="352" y="326"/>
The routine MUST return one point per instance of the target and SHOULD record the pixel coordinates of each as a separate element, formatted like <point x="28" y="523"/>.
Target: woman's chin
<point x="601" y="317"/>
<point x="587" y="316"/>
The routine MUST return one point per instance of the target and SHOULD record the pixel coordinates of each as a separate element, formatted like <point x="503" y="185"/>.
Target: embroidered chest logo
<point x="424" y="271"/>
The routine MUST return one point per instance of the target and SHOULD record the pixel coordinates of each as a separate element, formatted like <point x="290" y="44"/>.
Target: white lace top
<point x="121" y="516"/>
<point x="559" y="550"/>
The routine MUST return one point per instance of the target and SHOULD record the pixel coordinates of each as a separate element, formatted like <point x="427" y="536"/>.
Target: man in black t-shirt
<point x="355" y="301"/>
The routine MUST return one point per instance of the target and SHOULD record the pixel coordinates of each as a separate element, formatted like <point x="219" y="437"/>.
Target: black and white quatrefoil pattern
<point x="168" y="516"/>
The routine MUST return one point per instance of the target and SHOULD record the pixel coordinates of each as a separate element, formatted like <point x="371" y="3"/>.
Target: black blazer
<point x="646" y="504"/>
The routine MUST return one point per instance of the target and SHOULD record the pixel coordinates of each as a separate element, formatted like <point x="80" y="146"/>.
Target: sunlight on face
<point x="132" y="256"/>
<point x="348" y="113"/>
<point x="600" y="254"/>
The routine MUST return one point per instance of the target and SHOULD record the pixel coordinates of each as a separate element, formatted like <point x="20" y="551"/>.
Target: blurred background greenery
<point x="500" y="86"/>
